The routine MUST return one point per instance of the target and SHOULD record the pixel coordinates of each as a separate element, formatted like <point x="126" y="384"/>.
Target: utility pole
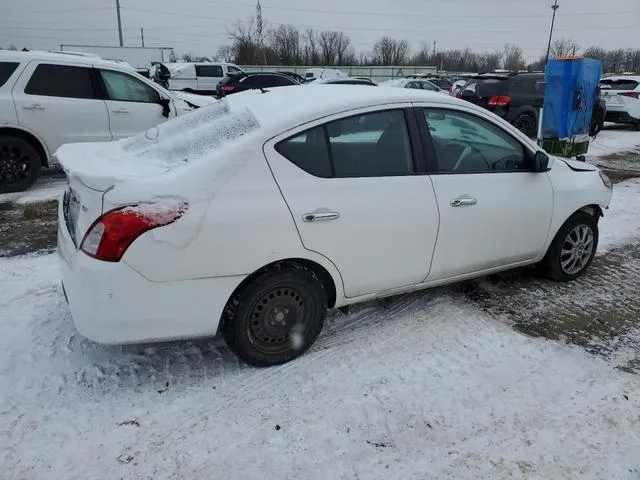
<point x="554" y="7"/>
<point x="119" y="22"/>
<point x="434" y="48"/>
<point x="142" y="35"/>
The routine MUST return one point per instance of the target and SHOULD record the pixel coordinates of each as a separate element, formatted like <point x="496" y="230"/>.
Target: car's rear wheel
<point x="277" y="316"/>
<point x="20" y="164"/>
<point x="572" y="249"/>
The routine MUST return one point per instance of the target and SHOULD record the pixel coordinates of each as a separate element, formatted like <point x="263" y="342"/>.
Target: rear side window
<point x="209" y="71"/>
<point x="61" y="81"/>
<point x="281" y="81"/>
<point x="612" y="84"/>
<point x="6" y="70"/>
<point x="233" y="70"/>
<point x="369" y="145"/>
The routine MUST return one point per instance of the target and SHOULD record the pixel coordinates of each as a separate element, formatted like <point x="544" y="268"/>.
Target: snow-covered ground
<point x="430" y="387"/>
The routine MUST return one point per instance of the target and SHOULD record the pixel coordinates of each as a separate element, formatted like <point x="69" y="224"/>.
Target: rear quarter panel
<point x="247" y="225"/>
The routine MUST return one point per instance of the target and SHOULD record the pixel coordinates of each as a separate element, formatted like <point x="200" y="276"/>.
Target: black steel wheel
<point x="572" y="249"/>
<point x="277" y="316"/>
<point x="527" y="124"/>
<point x="20" y="164"/>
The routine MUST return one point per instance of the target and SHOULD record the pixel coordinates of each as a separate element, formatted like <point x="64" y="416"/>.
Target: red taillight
<point x="110" y="235"/>
<point x="228" y="88"/>
<point x="630" y="94"/>
<point x="459" y="94"/>
<point x="500" y="101"/>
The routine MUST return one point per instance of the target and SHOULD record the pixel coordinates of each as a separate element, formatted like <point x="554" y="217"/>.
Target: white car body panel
<point x="246" y="202"/>
<point x="52" y="117"/>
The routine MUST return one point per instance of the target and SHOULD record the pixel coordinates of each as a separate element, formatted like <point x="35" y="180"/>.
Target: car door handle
<point x="320" y="216"/>
<point x="120" y="110"/>
<point x="463" y="202"/>
<point x="35" y="106"/>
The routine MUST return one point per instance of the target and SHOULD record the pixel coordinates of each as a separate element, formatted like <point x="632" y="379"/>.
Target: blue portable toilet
<point x="571" y="90"/>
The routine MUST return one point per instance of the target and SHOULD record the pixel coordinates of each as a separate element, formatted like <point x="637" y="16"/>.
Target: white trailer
<point x="140" y="58"/>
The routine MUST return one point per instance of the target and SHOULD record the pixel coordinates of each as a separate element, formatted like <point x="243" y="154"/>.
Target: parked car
<point x="418" y="84"/>
<point x="622" y="96"/>
<point x="457" y="87"/>
<point x="251" y="81"/>
<point x="298" y="78"/>
<point x="515" y="97"/>
<point x="344" y="81"/>
<point x="201" y="78"/>
<point x="268" y="208"/>
<point x="312" y="74"/>
<point x="47" y="99"/>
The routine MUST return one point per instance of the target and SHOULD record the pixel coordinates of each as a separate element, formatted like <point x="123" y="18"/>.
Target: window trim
<point x="429" y="149"/>
<point x="105" y="93"/>
<point x="412" y="124"/>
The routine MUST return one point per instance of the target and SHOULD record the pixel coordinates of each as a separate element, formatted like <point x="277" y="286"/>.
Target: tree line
<point x="252" y="42"/>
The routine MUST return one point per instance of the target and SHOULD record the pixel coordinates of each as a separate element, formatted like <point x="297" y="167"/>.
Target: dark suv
<point x="250" y="81"/>
<point x="518" y="98"/>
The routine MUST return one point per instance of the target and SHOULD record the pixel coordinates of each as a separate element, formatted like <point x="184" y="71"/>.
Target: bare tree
<point x="225" y="53"/>
<point x="310" y="39"/>
<point x="246" y="47"/>
<point x="513" y="58"/>
<point x="389" y="51"/>
<point x="187" y="57"/>
<point x="328" y="42"/>
<point x="285" y="44"/>
<point x="345" y="51"/>
<point x="564" y="47"/>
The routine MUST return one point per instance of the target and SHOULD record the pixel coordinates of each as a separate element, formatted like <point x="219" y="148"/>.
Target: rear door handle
<point x="35" y="106"/>
<point x="120" y="110"/>
<point x="320" y="216"/>
<point x="463" y="201"/>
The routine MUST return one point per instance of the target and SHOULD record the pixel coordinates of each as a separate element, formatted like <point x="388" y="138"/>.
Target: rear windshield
<point x="6" y="70"/>
<point x="626" y="84"/>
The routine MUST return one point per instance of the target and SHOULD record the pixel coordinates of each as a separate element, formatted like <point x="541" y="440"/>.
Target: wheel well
<point x="31" y="139"/>
<point x="594" y="210"/>
<point x="319" y="270"/>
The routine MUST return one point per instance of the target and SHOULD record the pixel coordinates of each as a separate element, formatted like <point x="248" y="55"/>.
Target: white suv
<point x="622" y="95"/>
<point x="49" y="99"/>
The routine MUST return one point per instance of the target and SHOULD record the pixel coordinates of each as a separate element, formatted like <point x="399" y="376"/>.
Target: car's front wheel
<point x="277" y="316"/>
<point x="572" y="249"/>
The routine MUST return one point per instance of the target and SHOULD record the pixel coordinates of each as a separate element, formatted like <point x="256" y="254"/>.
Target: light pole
<point x="119" y="22"/>
<point x="554" y="7"/>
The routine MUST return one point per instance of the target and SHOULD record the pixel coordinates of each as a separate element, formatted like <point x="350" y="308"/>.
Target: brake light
<point x="500" y="101"/>
<point x="110" y="235"/>
<point x="459" y="94"/>
<point x="228" y="88"/>
<point x="630" y="94"/>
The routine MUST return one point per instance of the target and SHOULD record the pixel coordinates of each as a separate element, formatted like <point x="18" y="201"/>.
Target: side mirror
<point x="166" y="106"/>
<point x="540" y="162"/>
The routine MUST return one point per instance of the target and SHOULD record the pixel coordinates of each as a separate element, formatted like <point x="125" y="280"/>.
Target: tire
<point x="20" y="164"/>
<point x="581" y="229"/>
<point x="276" y="317"/>
<point x="527" y="124"/>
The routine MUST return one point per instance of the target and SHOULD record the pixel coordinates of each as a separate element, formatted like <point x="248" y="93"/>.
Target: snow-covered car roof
<point x="635" y="78"/>
<point x="71" y="57"/>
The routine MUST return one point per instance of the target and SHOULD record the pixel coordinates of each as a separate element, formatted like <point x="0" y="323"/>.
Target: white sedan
<point x="415" y="83"/>
<point x="253" y="216"/>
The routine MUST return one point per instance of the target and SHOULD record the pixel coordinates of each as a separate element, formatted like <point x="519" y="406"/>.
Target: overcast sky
<point x="198" y="26"/>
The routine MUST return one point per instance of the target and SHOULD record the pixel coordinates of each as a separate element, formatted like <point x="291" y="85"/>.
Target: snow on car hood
<point x="197" y="100"/>
<point x="188" y="158"/>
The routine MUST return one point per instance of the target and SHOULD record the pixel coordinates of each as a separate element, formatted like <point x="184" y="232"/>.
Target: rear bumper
<point x="112" y="303"/>
<point x="620" y="116"/>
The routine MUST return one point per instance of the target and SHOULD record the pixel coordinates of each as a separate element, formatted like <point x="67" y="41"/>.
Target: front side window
<point x="214" y="71"/>
<point x="369" y="145"/>
<point x="233" y="70"/>
<point x="125" y="88"/>
<point x="61" y="81"/>
<point x="464" y="143"/>
<point x="6" y="70"/>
